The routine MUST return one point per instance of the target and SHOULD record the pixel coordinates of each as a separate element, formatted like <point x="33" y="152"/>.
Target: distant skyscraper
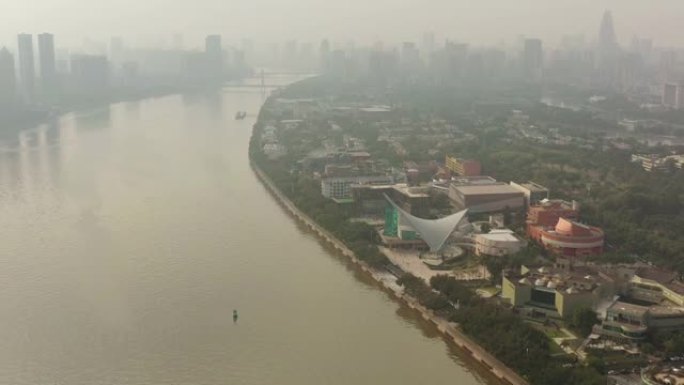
<point x="428" y="47"/>
<point x="27" y="69"/>
<point x="214" y="55"/>
<point x="533" y="59"/>
<point x="290" y="53"/>
<point x="212" y="44"/>
<point x="608" y="49"/>
<point x="410" y="57"/>
<point x="673" y="95"/>
<point x="324" y="56"/>
<point x="607" y="38"/>
<point x="46" y="50"/>
<point x="7" y="78"/>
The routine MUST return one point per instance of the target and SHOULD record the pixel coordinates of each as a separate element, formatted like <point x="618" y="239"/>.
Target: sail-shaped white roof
<point x="434" y="232"/>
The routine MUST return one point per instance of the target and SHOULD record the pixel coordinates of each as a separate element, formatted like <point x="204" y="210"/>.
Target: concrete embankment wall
<point x="449" y="330"/>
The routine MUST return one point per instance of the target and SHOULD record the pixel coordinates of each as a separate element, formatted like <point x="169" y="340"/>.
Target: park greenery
<point x="499" y="331"/>
<point x="305" y="193"/>
<point x="583" y="320"/>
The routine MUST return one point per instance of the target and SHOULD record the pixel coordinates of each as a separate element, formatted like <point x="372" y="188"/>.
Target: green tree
<point x="583" y="320"/>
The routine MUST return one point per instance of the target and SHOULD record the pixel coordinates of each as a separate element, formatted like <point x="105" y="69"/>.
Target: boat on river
<point x="240" y="115"/>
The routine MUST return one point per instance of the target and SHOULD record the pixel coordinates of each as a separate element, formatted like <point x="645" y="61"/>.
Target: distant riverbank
<point x="28" y="119"/>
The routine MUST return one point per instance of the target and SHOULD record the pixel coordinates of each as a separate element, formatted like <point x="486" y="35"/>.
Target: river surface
<point x="128" y="234"/>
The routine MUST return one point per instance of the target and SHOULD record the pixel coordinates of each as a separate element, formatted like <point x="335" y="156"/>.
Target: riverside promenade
<point x="449" y="330"/>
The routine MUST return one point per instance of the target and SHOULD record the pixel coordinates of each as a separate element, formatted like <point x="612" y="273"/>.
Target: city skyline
<point x="482" y="23"/>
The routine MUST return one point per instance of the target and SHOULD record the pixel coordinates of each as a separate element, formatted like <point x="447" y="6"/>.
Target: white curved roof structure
<point x="434" y="232"/>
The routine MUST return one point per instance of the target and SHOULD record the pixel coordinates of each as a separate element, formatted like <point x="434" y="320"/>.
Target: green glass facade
<point x="391" y="221"/>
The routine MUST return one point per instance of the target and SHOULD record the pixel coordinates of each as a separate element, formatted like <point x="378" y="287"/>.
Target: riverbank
<point x="37" y="118"/>
<point x="449" y="330"/>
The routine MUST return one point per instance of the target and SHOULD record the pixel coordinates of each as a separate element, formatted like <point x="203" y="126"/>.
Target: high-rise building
<point x="212" y="45"/>
<point x="533" y="59"/>
<point x="290" y="54"/>
<point x="410" y="57"/>
<point x="668" y="65"/>
<point x="324" y="56"/>
<point x="27" y="69"/>
<point x="673" y="95"/>
<point x="7" y="78"/>
<point x="669" y="95"/>
<point x="214" y="56"/>
<point x="428" y="46"/>
<point x="608" y="50"/>
<point x="46" y="50"/>
<point x="607" y="37"/>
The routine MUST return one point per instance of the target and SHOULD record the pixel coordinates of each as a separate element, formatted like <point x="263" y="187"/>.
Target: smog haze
<point x="489" y="22"/>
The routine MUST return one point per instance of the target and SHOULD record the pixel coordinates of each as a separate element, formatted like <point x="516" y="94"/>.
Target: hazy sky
<point x="142" y="22"/>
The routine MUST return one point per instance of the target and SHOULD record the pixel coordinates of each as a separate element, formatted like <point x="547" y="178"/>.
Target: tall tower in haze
<point x="607" y="53"/>
<point x="608" y="49"/>
<point x="607" y="38"/>
<point x="214" y="55"/>
<point x="533" y="60"/>
<point x="7" y="79"/>
<point x="46" y="50"/>
<point x="324" y="56"/>
<point x="27" y="69"/>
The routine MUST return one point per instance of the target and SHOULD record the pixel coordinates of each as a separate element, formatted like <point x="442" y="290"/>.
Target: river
<point x="128" y="234"/>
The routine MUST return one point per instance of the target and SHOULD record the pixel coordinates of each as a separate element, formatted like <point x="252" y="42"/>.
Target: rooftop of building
<point x="656" y="274"/>
<point x="547" y="204"/>
<point x="531" y="186"/>
<point x="630" y="309"/>
<point x="676" y="286"/>
<point x="571" y="229"/>
<point x="411" y="192"/>
<point x="475" y="180"/>
<point x="666" y="374"/>
<point x="487" y="189"/>
<point x="461" y="159"/>
<point x="577" y="280"/>
<point x="664" y="310"/>
<point x="501" y="235"/>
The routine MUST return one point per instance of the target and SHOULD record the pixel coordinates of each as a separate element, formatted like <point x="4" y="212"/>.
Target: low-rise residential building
<point x="655" y="162"/>
<point x="463" y="167"/>
<point x="340" y="188"/>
